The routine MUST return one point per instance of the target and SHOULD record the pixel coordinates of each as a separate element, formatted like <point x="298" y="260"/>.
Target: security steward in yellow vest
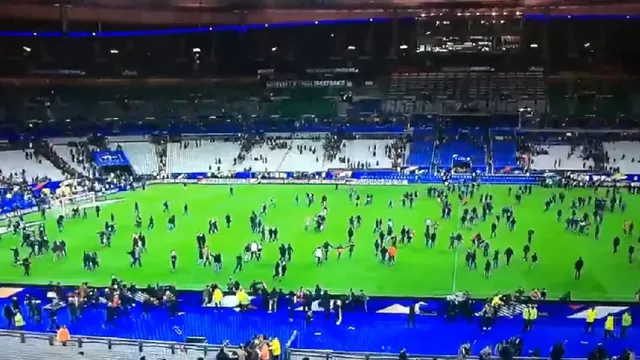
<point x="18" y="320"/>
<point x="626" y="324"/>
<point x="533" y="316"/>
<point x="526" y="315"/>
<point x="608" y="327"/>
<point x="591" y="319"/>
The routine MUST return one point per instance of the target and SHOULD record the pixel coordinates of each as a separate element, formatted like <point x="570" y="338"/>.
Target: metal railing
<point x="209" y="350"/>
<point x="308" y="354"/>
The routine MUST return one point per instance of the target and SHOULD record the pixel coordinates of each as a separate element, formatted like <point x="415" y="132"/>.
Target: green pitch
<point x="419" y="271"/>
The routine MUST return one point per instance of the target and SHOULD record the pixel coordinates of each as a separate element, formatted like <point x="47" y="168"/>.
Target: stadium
<point x="317" y="180"/>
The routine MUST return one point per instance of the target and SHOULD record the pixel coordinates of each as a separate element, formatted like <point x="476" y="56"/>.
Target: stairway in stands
<point x="45" y="149"/>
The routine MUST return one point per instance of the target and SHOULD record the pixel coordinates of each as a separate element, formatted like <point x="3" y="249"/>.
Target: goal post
<point x="67" y="203"/>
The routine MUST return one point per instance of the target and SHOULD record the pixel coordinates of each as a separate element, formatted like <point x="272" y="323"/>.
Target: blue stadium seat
<point x="421" y="153"/>
<point x="504" y="154"/>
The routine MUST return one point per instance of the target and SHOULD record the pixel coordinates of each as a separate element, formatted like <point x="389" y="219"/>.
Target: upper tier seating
<point x="365" y="107"/>
<point x="485" y="91"/>
<point x="203" y="158"/>
<point x="14" y="162"/>
<point x="142" y="156"/>
<point x="124" y="103"/>
<point x="589" y="97"/>
<point x="304" y="102"/>
<point x="624" y="155"/>
<point x="560" y="157"/>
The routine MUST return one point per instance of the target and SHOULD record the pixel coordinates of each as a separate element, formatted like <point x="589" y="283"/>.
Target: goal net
<point x="66" y="204"/>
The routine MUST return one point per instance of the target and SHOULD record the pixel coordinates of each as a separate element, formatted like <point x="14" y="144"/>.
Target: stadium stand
<point x="266" y="157"/>
<point x="446" y="92"/>
<point x="504" y="154"/>
<point x="16" y="162"/>
<point x="207" y="156"/>
<point x="421" y="153"/>
<point x="560" y="157"/>
<point x="303" y="102"/>
<point x="304" y="155"/>
<point x="623" y="156"/>
<point x="12" y="199"/>
<point x="448" y="150"/>
<point x="142" y="156"/>
<point x="363" y="154"/>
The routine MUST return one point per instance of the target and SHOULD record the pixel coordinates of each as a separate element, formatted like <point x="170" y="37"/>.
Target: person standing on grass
<point x="217" y="262"/>
<point x="508" y="253"/>
<point x="578" y="266"/>
<point x="174" y="260"/>
<point x="239" y="261"/>
<point x="318" y="254"/>
<point x="525" y="252"/>
<point x="487" y="268"/>
<point x="534" y="260"/>
<point x="616" y="244"/>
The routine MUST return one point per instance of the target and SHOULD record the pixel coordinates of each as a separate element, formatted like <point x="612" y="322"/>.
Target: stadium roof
<point x="199" y="12"/>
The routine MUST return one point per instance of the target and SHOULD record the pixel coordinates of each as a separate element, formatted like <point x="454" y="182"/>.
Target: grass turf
<point x="419" y="271"/>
